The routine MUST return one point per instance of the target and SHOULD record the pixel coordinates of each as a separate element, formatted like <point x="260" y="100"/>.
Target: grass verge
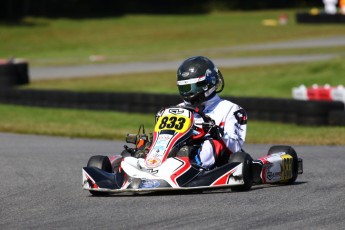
<point x="256" y="81"/>
<point x="114" y="125"/>
<point x="148" y="37"/>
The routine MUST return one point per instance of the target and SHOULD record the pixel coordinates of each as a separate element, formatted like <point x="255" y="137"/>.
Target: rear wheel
<point x="290" y="151"/>
<point x="246" y="160"/>
<point x="101" y="162"/>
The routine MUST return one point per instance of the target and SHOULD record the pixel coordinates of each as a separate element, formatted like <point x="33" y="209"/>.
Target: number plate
<point x="176" y="123"/>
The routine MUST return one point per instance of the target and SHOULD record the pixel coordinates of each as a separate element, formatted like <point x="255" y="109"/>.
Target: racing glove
<point x="212" y="129"/>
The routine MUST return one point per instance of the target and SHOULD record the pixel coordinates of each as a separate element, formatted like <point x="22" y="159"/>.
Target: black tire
<point x="101" y="162"/>
<point x="316" y="113"/>
<point x="7" y="75"/>
<point x="291" y="151"/>
<point x="22" y="73"/>
<point x="247" y="160"/>
<point x="318" y="108"/>
<point x="337" y="118"/>
<point x="12" y="74"/>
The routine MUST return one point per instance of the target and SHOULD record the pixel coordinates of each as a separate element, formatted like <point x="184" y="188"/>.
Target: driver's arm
<point x="235" y="128"/>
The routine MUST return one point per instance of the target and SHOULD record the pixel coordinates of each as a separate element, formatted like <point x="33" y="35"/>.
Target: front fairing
<point x="174" y="173"/>
<point x="173" y="128"/>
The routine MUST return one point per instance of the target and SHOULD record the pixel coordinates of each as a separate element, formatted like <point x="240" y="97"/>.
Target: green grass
<point x="291" y="134"/>
<point x="72" y="123"/>
<point x="148" y="37"/>
<point x="258" y="81"/>
<point x="114" y="125"/>
<point x="169" y="37"/>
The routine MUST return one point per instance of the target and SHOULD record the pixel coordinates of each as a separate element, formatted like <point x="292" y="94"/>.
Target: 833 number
<point x="172" y="122"/>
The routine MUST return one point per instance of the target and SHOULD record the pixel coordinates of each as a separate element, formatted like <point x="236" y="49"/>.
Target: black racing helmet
<point x="198" y="79"/>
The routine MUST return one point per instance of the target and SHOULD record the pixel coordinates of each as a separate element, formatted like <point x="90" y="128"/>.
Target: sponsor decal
<point x="208" y="72"/>
<point x="279" y="168"/>
<point x="152" y="171"/>
<point x="161" y="143"/>
<point x="241" y="116"/>
<point x="271" y="175"/>
<point x="286" y="167"/>
<point x="149" y="184"/>
<point x="160" y="147"/>
<point x="159" y="150"/>
<point x="185" y="74"/>
<point x="164" y="137"/>
<point x="176" y="111"/>
<point x="153" y="162"/>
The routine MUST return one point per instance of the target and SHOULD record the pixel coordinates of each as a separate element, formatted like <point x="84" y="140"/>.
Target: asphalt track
<point x="139" y="67"/>
<point x="41" y="189"/>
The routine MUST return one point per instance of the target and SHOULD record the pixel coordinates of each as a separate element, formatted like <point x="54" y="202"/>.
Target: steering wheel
<point x="207" y="124"/>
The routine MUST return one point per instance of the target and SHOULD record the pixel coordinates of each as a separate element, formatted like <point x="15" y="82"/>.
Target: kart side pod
<point x="281" y="165"/>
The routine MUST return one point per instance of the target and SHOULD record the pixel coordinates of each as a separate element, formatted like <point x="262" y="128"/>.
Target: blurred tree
<point x="14" y="10"/>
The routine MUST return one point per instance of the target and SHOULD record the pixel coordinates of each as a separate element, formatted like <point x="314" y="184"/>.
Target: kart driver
<point x="198" y="81"/>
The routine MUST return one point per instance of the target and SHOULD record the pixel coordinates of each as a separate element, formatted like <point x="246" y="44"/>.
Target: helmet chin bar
<point x="198" y="98"/>
<point x="195" y="99"/>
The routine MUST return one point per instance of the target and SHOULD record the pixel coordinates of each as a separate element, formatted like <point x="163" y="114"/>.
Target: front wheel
<point x="290" y="151"/>
<point x="247" y="176"/>
<point x="101" y="162"/>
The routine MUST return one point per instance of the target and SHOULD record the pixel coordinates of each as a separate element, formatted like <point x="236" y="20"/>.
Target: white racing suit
<point x="232" y="120"/>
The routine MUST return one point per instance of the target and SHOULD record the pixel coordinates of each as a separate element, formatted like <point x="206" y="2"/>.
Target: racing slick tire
<point x="291" y="151"/>
<point x="101" y="162"/>
<point x="247" y="160"/>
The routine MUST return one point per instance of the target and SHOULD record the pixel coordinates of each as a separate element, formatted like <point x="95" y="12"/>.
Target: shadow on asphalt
<point x="193" y="192"/>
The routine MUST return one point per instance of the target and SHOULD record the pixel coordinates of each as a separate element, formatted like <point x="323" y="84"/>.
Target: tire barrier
<point x="124" y="102"/>
<point x="270" y="109"/>
<point x="319" y="93"/>
<point x="317" y="112"/>
<point x="264" y="109"/>
<point x="337" y="118"/>
<point x="319" y="18"/>
<point x="13" y="74"/>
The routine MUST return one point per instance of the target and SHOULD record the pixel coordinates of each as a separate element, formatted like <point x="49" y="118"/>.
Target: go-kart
<point x="163" y="160"/>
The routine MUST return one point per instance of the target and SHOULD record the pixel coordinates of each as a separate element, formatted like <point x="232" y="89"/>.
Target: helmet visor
<point x="192" y="86"/>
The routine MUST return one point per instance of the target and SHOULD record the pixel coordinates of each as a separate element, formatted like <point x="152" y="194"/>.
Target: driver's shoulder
<point x="228" y="105"/>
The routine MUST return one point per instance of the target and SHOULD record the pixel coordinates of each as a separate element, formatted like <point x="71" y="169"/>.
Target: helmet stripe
<point x="191" y="81"/>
